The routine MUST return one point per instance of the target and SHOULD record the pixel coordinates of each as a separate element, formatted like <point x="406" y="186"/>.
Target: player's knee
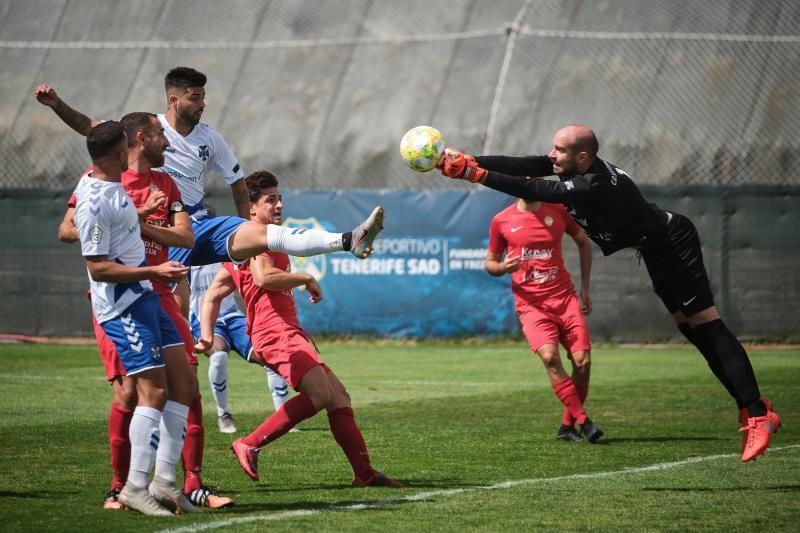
<point x="127" y="399"/>
<point x="549" y="357"/>
<point x="582" y="361"/>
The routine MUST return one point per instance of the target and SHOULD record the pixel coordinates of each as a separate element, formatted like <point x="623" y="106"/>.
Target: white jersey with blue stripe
<point x="201" y="278"/>
<point x="108" y="226"/>
<point x="188" y="159"/>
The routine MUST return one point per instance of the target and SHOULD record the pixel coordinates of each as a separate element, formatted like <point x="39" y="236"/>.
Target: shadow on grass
<point x="441" y="484"/>
<point x="26" y="495"/>
<point x="613" y="440"/>
<point x="774" y="488"/>
<point x="319" y="506"/>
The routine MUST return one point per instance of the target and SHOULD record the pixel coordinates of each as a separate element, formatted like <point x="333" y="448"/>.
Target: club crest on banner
<point x="315" y="265"/>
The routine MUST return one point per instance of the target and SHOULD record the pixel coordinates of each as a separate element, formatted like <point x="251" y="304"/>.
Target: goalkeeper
<point x="606" y="202"/>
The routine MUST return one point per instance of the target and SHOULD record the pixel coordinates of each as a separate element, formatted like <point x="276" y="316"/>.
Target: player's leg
<point x="278" y="388"/>
<point x="122" y="405"/>
<point x="542" y="333"/>
<point x="291" y="354"/>
<point x="678" y="272"/>
<point x="349" y="438"/>
<point x="238" y="339"/>
<point x="183" y="388"/>
<point x="119" y="421"/>
<point x="253" y="238"/>
<point x="574" y="336"/>
<point x="143" y="362"/>
<point x="218" y="379"/>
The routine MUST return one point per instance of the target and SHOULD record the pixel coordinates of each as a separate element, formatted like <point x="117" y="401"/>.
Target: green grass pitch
<point x="469" y="427"/>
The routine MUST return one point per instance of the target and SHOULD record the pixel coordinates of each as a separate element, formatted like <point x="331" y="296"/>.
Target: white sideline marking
<point x="420" y="496"/>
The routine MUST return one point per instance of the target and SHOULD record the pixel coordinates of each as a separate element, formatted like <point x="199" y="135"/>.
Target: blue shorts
<point x="233" y="330"/>
<point x="140" y="334"/>
<point x="211" y="236"/>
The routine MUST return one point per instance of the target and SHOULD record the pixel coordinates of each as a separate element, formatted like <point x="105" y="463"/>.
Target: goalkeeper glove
<point x="456" y="165"/>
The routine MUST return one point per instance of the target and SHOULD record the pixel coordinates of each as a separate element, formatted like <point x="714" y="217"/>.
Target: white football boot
<point x="142" y="501"/>
<point x="169" y="494"/>
<point x="365" y="233"/>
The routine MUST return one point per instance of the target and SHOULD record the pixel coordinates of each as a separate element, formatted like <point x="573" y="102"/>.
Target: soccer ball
<point x="422" y="147"/>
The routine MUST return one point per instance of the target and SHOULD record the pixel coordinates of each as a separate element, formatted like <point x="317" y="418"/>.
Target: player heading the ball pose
<point x="608" y="205"/>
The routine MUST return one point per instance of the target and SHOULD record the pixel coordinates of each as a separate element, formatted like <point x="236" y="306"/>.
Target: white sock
<point x="302" y="242"/>
<point x="173" y="433"/>
<point x="278" y="387"/>
<point x="218" y="378"/>
<point x="144" y="436"/>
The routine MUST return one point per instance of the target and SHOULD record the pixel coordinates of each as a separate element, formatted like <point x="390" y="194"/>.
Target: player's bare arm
<point x="222" y="286"/>
<point x="266" y="276"/>
<point x="585" y="259"/>
<point x="76" y="120"/>
<point x="497" y="266"/>
<point x="101" y="269"/>
<point x="155" y="200"/>
<point x="241" y="198"/>
<point x="67" y="231"/>
<point x="178" y="234"/>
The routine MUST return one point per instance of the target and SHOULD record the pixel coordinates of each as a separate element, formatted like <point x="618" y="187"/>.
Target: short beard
<point x="187" y="118"/>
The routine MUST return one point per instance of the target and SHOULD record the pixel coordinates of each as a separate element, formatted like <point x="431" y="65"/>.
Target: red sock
<point x="348" y="436"/>
<point x="192" y="453"/>
<point x="119" y="420"/>
<point x="583" y="393"/>
<point x="294" y="411"/>
<point x="568" y="394"/>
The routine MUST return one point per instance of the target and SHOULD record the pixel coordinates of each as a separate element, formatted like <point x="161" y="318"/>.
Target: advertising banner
<point x="425" y="277"/>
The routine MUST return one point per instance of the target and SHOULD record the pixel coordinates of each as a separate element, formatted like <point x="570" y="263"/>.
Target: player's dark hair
<point x="257" y="182"/>
<point x="183" y="78"/>
<point x="104" y="138"/>
<point x="136" y="122"/>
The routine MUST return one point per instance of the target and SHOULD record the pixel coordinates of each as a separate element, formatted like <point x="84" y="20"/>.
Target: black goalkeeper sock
<point x="347" y="240"/>
<point x="714" y="362"/>
<point x="735" y="364"/>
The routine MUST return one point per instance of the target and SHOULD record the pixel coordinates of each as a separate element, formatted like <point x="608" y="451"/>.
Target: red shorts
<point x="287" y="350"/>
<point x="556" y="320"/>
<point x="173" y="310"/>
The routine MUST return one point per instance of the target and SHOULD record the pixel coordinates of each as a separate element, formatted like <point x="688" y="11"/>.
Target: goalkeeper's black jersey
<point x="605" y="201"/>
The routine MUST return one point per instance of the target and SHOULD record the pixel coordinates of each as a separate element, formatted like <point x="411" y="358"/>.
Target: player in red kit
<point x="280" y="343"/>
<point x="530" y="234"/>
<point x="164" y="224"/>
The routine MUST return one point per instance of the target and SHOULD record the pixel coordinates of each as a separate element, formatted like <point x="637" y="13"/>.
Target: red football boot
<point x="759" y="429"/>
<point x="247" y="457"/>
<point x="743" y="422"/>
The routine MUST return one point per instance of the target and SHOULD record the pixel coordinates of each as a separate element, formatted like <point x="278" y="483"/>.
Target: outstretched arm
<point x="220" y="287"/>
<point x="76" y="120"/>
<point x="534" y="166"/>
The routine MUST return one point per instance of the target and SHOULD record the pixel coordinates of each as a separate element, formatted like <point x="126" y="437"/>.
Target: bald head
<point x="574" y="149"/>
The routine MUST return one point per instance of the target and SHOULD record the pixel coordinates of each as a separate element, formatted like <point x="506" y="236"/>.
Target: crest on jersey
<point x="203" y="152"/>
<point x="548" y="221"/>
<point x="315" y="265"/>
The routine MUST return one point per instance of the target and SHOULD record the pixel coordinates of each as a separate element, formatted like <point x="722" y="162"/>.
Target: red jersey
<point x="138" y="186"/>
<point x="265" y="308"/>
<point x="535" y="237"/>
